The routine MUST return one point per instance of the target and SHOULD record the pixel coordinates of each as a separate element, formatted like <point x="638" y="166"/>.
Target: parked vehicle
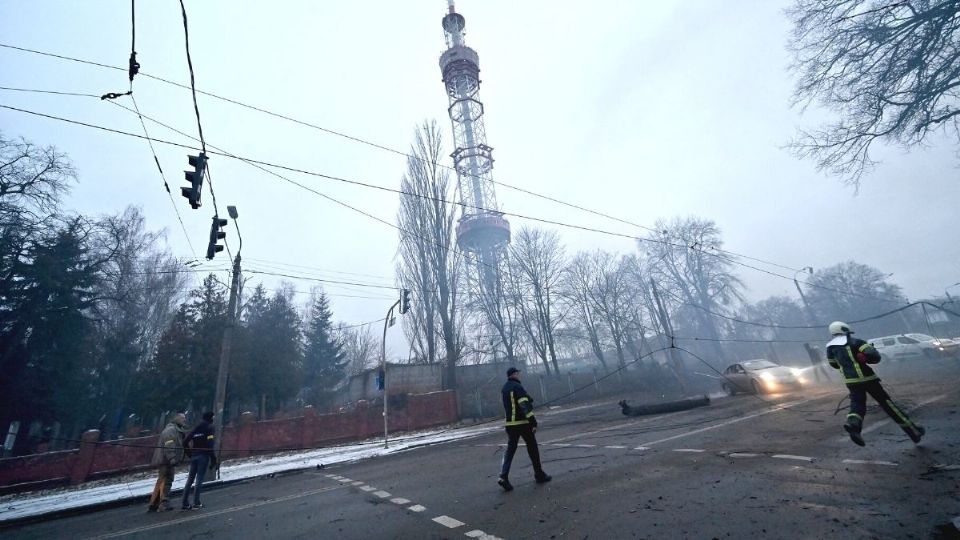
<point x="915" y="346"/>
<point x="761" y="376"/>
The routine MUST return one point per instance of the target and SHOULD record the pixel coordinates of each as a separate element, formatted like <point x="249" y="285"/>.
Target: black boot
<point x="916" y="433"/>
<point x="542" y="477"/>
<point x="504" y="483"/>
<point x="854" y="432"/>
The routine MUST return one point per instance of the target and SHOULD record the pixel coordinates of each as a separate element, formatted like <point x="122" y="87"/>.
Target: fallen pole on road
<point x="664" y="407"/>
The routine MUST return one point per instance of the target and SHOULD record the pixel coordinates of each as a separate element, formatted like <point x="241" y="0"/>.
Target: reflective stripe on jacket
<point x="517" y="404"/>
<point x="843" y="357"/>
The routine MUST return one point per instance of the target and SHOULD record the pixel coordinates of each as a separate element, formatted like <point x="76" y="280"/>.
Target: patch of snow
<point x="29" y="504"/>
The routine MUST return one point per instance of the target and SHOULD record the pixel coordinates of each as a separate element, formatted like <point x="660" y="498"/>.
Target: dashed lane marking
<point x="368" y="488"/>
<point x="613" y="447"/>
<point x="357" y="483"/>
<point x="642" y="448"/>
<point x="480" y="535"/>
<point x="870" y="462"/>
<point x="417" y="508"/>
<point x="562" y="444"/>
<point x="691" y="450"/>
<point x="399" y="500"/>
<point x="448" y="522"/>
<point x="381" y="494"/>
<point x="585" y="445"/>
<point x="206" y="514"/>
<point x="742" y="454"/>
<point x="795" y="458"/>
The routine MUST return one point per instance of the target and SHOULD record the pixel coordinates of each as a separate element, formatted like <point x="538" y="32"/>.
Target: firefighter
<point x="518" y="409"/>
<point x="853" y="357"/>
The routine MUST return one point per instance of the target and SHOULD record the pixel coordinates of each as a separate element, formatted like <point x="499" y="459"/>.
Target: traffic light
<point x="404" y="301"/>
<point x="195" y="177"/>
<point x="216" y="234"/>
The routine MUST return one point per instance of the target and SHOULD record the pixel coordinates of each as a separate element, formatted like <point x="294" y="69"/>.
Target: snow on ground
<point x="29" y="504"/>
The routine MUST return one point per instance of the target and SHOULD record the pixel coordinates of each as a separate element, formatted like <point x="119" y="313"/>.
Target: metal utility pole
<point x="383" y="368"/>
<point x="668" y="328"/>
<point x="223" y="370"/>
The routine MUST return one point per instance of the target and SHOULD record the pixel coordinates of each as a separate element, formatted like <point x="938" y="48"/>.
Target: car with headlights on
<point x="761" y="377"/>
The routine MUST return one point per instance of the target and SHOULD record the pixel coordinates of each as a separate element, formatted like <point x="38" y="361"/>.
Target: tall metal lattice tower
<point x="482" y="230"/>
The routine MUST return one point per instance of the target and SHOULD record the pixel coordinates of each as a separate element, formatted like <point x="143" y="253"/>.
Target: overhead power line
<point x="261" y="164"/>
<point x="378" y="146"/>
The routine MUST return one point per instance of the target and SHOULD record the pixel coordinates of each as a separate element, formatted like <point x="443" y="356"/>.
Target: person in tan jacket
<point x="166" y="456"/>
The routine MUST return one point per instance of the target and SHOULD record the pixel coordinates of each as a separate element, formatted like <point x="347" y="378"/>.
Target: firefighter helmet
<point x="838" y="327"/>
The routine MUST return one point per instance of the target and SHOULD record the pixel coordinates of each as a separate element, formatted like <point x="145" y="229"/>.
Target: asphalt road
<point x="740" y="468"/>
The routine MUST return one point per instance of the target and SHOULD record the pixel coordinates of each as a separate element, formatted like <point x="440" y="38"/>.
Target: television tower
<point x="481" y="230"/>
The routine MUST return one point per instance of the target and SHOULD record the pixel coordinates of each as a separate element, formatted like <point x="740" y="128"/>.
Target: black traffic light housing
<point x="404" y="301"/>
<point x="195" y="177"/>
<point x="216" y="234"/>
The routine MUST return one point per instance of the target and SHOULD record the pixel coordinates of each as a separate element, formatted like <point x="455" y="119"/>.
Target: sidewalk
<point x="92" y="494"/>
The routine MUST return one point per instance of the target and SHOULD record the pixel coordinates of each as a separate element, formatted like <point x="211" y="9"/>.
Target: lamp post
<point x="811" y="320"/>
<point x="225" y="344"/>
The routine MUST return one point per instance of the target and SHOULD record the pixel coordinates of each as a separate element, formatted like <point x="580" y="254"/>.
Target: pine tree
<point x="324" y="360"/>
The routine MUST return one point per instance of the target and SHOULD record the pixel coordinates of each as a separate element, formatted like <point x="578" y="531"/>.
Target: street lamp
<point x="808" y="269"/>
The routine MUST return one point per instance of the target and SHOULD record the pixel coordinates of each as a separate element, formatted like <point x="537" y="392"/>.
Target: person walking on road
<point x="199" y="444"/>
<point x="166" y="456"/>
<point x="853" y="358"/>
<point x="520" y="422"/>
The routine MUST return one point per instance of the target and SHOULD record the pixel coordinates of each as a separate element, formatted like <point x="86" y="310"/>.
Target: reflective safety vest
<point x="517" y="404"/>
<point x="842" y="355"/>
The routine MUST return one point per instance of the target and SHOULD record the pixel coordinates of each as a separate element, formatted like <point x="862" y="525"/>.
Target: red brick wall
<point x="311" y="430"/>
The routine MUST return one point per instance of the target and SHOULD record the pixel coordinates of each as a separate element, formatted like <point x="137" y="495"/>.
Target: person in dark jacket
<point x="199" y="442"/>
<point x="520" y="422"/>
<point x="853" y="358"/>
<point x="166" y="456"/>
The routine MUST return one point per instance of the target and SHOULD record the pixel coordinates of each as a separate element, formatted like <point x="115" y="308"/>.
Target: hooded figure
<point x="166" y="456"/>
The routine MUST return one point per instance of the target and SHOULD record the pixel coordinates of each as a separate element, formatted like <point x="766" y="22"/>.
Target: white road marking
<point x="399" y="500"/>
<point x="742" y="455"/>
<point x="480" y="535"/>
<point x="381" y="494"/>
<point x="795" y="458"/>
<point x="870" y="462"/>
<point x="357" y="483"/>
<point x="616" y="447"/>
<point x="562" y="444"/>
<point x="585" y="445"/>
<point x="345" y="480"/>
<point x="775" y="408"/>
<point x="208" y="514"/>
<point x="417" y="508"/>
<point x="947" y="467"/>
<point x="448" y="522"/>
<point x="368" y="488"/>
<point x="642" y="448"/>
<point x="693" y="450"/>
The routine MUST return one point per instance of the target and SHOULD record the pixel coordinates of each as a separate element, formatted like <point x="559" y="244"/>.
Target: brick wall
<point x="311" y="430"/>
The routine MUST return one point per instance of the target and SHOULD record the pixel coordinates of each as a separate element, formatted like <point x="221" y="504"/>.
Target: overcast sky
<point x="642" y="110"/>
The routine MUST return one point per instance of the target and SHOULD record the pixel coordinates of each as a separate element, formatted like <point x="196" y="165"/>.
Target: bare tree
<point x="578" y="291"/>
<point x="430" y="265"/>
<point x="888" y="67"/>
<point x="536" y="258"/>
<point x="685" y="260"/>
<point x="360" y="346"/>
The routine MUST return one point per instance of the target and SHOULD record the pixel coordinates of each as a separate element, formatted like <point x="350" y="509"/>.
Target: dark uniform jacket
<point x="517" y="404"/>
<point x="843" y="353"/>
<point x="201" y="439"/>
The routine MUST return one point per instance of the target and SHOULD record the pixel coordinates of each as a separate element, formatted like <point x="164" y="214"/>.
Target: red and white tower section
<point x="482" y="230"/>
